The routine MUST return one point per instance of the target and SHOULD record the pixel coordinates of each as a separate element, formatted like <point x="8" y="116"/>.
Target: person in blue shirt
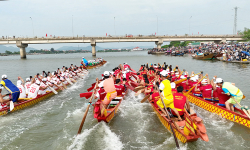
<point x="11" y="88"/>
<point x="85" y="61"/>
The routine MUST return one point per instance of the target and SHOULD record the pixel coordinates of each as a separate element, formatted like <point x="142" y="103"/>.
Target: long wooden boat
<point x="238" y="117"/>
<point x="98" y="65"/>
<point x="192" y="130"/>
<point x="113" y="107"/>
<point x="239" y="62"/>
<point x="208" y="56"/>
<point x="110" y="112"/>
<point x="25" y="103"/>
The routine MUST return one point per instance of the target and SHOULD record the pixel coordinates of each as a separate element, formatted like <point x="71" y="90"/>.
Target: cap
<point x="164" y="73"/>
<point x="27" y="79"/>
<point x="19" y="82"/>
<point x="106" y="73"/>
<point x="82" y="57"/>
<point x="173" y="85"/>
<point x="4" y="76"/>
<point x="219" y="80"/>
<point x="193" y="79"/>
<point x="44" y="79"/>
<point x="204" y="81"/>
<point x="37" y="82"/>
<point x="182" y="77"/>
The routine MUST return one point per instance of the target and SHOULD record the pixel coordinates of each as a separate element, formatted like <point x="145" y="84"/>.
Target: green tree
<point x="245" y="33"/>
<point x="8" y="52"/>
<point x="52" y="49"/>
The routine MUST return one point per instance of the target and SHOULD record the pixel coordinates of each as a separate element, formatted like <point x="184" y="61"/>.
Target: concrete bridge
<point x="22" y="43"/>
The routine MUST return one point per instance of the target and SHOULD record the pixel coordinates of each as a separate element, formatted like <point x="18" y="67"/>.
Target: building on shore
<point x="137" y="49"/>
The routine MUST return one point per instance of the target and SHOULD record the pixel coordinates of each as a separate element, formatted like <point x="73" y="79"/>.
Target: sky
<point x="120" y="17"/>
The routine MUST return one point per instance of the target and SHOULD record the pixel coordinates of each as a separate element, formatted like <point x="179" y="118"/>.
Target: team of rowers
<point x="215" y="90"/>
<point x="40" y="84"/>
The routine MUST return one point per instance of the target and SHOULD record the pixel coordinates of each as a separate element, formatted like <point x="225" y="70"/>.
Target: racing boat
<point x="188" y="130"/>
<point x="238" y="116"/>
<point x="97" y="65"/>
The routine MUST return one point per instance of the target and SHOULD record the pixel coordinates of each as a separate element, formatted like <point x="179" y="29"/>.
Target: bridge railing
<point x="115" y="37"/>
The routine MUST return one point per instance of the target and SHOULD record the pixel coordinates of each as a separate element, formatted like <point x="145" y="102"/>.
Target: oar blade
<point x="145" y="98"/>
<point x="11" y="105"/>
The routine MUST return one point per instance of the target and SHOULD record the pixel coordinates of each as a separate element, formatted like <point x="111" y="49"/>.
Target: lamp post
<point x="32" y="25"/>
<point x="114" y="26"/>
<point x="157" y="25"/>
<point x="72" y="27"/>
<point x="189" y="24"/>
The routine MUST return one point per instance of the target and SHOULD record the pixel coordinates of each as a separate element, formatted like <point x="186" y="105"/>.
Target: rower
<point x="34" y="88"/>
<point x="154" y="97"/>
<point x="3" y="102"/>
<point x="193" y="82"/>
<point x="166" y="91"/>
<point x="205" y="89"/>
<point x="231" y="90"/>
<point x="119" y="87"/>
<point x="220" y="93"/>
<point x="85" y="62"/>
<point x="10" y="87"/>
<point x="27" y="85"/>
<point x="109" y="87"/>
<point x="179" y="102"/>
<point x="21" y="88"/>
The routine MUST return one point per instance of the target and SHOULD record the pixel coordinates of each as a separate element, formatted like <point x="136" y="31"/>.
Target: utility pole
<point x="114" y="26"/>
<point x="235" y="20"/>
<point x="32" y="26"/>
<point x="72" y="27"/>
<point x="157" y="25"/>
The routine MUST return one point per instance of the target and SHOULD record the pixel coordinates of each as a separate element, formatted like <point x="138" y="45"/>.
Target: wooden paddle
<point x="179" y="81"/>
<point x="68" y="80"/>
<point x="175" y="138"/>
<point x="145" y="98"/>
<point x="139" y="88"/>
<point x="53" y="90"/>
<point x="194" y="86"/>
<point x="86" y="112"/>
<point x="245" y="111"/>
<point x="11" y="105"/>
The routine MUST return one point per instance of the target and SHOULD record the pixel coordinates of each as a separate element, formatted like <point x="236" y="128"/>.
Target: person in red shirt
<point x="148" y="87"/>
<point x="193" y="82"/>
<point x="179" y="102"/>
<point x="119" y="87"/>
<point x="220" y="94"/>
<point x="205" y="89"/>
<point x="154" y="97"/>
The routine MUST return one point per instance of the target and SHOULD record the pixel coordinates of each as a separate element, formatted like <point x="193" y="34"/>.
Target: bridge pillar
<point x="22" y="49"/>
<point x="93" y="44"/>
<point x="158" y="43"/>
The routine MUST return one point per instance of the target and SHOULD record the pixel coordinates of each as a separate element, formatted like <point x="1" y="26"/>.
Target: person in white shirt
<point x="21" y="88"/>
<point x="27" y="85"/>
<point x="34" y="88"/>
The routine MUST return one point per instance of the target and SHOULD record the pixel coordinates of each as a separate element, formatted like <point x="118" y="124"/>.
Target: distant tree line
<point x="123" y="50"/>
<point x="176" y="44"/>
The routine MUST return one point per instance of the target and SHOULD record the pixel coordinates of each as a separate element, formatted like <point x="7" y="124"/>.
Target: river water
<point x="53" y="123"/>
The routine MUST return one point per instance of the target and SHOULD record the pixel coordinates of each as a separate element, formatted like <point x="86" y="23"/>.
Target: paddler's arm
<point x="208" y="81"/>
<point x="43" y="88"/>
<point x="188" y="106"/>
<point x="21" y="79"/>
<point x="196" y="89"/>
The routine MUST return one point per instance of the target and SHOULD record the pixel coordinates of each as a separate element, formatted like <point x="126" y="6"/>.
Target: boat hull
<point x="95" y="66"/>
<point x="180" y="135"/>
<point x="202" y="57"/>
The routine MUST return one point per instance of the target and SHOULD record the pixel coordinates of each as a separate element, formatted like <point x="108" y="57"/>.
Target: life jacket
<point x="167" y="91"/>
<point x="9" y="86"/>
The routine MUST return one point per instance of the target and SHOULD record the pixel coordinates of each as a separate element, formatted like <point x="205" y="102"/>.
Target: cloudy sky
<point x="96" y="18"/>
